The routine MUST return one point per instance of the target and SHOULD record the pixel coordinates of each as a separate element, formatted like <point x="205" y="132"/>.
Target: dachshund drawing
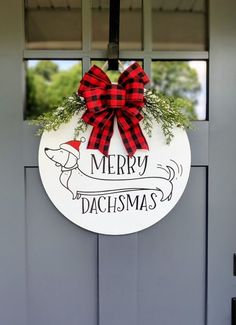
<point x="81" y="184"/>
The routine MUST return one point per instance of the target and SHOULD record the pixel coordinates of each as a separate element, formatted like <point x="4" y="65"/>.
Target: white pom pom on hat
<point x="72" y="146"/>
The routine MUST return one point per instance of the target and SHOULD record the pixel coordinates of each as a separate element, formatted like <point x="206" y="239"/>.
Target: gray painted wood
<point x="171" y="261"/>
<point x="12" y="218"/>
<point x="198" y="138"/>
<point x="118" y="257"/>
<point x="61" y="263"/>
<point x="124" y="55"/>
<point x="158" y="275"/>
<point x="222" y="176"/>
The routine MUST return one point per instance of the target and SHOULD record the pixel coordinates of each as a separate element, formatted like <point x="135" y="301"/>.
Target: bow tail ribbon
<point x="100" y="138"/>
<point x="132" y="138"/>
<point x="102" y="131"/>
<point x="131" y="133"/>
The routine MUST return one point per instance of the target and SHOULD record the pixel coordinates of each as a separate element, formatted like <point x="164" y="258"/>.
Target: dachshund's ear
<point x="71" y="161"/>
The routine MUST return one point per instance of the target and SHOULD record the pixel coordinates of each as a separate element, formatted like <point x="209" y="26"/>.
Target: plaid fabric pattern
<point x="106" y="101"/>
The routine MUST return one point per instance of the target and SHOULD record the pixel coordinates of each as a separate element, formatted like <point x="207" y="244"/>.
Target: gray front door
<point x="177" y="272"/>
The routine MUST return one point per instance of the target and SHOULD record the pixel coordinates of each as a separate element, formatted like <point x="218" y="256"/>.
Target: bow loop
<point x="93" y="99"/>
<point x="134" y="92"/>
<point x="135" y="72"/>
<point x="94" y="78"/>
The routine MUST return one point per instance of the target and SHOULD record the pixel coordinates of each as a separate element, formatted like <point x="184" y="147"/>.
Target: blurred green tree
<point x="63" y="84"/>
<point x="178" y="79"/>
<point x="36" y="88"/>
<point x="46" y="69"/>
<point x="47" y="85"/>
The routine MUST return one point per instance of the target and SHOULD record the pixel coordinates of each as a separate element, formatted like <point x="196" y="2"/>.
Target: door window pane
<point x="179" y="25"/>
<point x="185" y="79"/>
<point x="53" y="24"/>
<point x="48" y="82"/>
<point x="130" y="24"/>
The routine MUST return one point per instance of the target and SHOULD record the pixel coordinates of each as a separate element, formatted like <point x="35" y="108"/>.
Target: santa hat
<point x="73" y="146"/>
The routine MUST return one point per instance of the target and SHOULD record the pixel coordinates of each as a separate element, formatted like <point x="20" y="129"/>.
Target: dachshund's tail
<point x="171" y="173"/>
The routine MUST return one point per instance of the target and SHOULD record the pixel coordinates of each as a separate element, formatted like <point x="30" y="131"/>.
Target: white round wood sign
<point x="116" y="194"/>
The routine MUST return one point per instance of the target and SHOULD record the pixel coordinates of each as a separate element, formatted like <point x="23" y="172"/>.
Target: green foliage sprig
<point x="165" y="110"/>
<point x="53" y="119"/>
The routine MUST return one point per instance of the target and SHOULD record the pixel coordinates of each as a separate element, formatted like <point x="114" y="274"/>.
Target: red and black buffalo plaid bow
<point x="105" y="100"/>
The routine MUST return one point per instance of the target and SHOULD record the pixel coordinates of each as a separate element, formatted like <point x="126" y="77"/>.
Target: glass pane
<point x="48" y="82"/>
<point x="179" y="25"/>
<point x="130" y="16"/>
<point x="53" y="24"/>
<point x="114" y="75"/>
<point x="185" y="79"/>
<point x="100" y="24"/>
<point x="131" y="24"/>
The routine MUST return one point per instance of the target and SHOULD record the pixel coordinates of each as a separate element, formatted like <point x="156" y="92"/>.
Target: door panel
<point x="61" y="263"/>
<point x="157" y="276"/>
<point x="171" y="261"/>
<point x="118" y="256"/>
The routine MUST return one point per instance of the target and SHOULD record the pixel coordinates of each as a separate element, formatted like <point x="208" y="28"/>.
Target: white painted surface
<point x="106" y="207"/>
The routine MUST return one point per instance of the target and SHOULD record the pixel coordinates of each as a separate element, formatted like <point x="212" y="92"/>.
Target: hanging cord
<point x="121" y="65"/>
<point x="105" y="65"/>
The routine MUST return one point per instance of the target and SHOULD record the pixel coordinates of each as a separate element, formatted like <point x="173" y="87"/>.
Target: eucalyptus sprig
<point x="167" y="111"/>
